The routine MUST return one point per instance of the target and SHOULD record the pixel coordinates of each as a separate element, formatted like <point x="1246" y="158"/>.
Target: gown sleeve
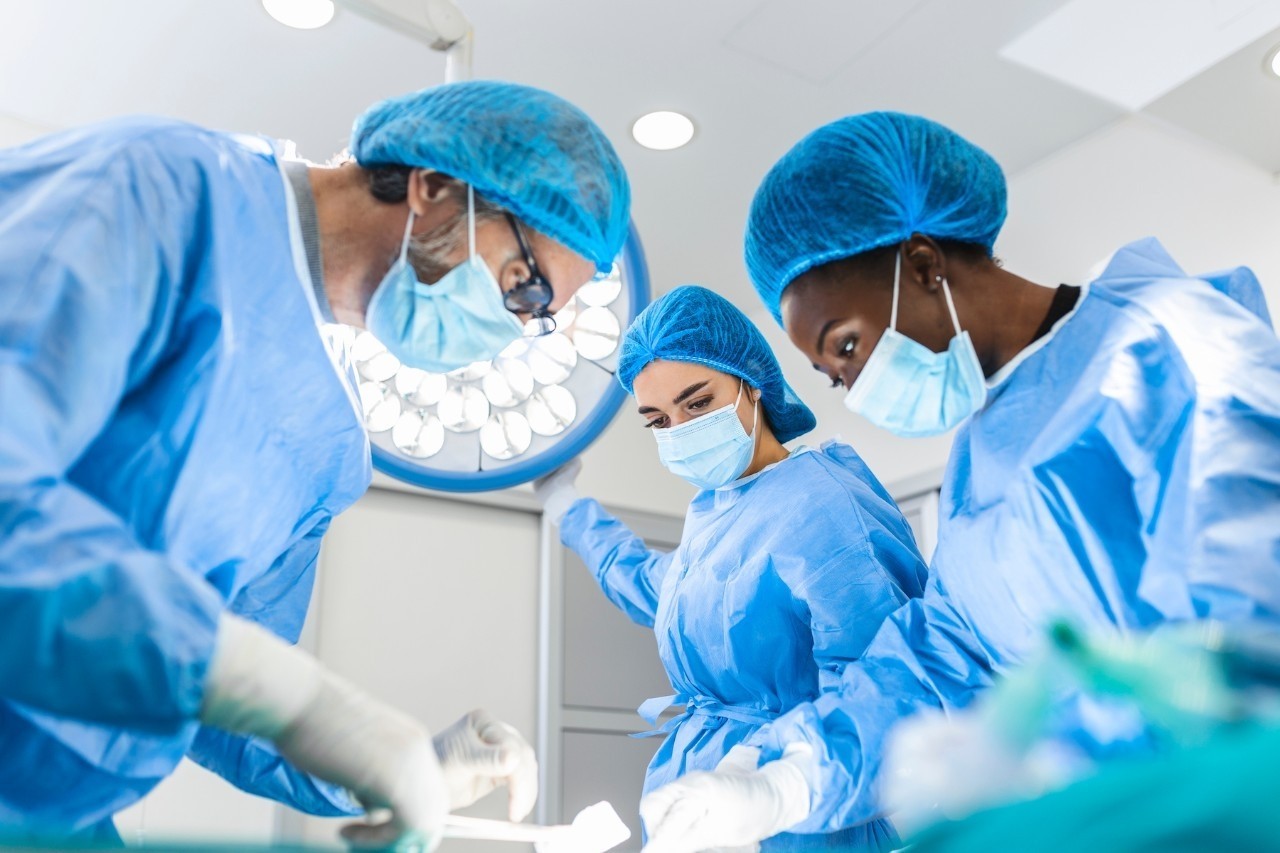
<point x="629" y="572"/>
<point x="847" y="580"/>
<point x="278" y="601"/>
<point x="1200" y="437"/>
<point x="97" y="627"/>
<point x="923" y="656"/>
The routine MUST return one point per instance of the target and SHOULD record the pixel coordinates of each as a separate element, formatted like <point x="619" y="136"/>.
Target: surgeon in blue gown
<point x="788" y="562"/>
<point x="1117" y="459"/>
<point x="179" y="424"/>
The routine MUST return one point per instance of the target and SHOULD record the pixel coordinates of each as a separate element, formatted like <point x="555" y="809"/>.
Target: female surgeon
<point x="1118" y="458"/>
<point x="789" y="560"/>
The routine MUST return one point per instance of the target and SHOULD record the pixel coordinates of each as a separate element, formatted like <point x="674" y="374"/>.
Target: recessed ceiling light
<point x="1273" y="61"/>
<point x="300" y="14"/>
<point x="663" y="130"/>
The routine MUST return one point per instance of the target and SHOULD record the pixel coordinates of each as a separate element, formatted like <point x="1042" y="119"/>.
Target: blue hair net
<point x="528" y="150"/>
<point x="693" y="324"/>
<point x="863" y="182"/>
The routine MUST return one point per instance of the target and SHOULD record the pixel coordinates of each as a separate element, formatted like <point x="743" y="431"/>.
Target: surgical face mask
<point x="913" y="391"/>
<point x="446" y="325"/>
<point x="711" y="451"/>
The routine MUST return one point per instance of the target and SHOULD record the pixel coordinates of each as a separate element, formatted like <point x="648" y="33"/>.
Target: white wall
<point x="196" y="804"/>
<point x="1142" y="177"/>
<point x="15" y="131"/>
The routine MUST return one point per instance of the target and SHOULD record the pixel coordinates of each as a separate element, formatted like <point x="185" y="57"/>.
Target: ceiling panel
<point x="1134" y="52"/>
<point x="224" y="64"/>
<point x="228" y="65"/>
<point x="1236" y="104"/>
<point x="815" y="39"/>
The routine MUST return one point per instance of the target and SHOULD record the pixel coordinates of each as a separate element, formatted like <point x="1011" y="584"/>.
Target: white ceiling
<point x="755" y="77"/>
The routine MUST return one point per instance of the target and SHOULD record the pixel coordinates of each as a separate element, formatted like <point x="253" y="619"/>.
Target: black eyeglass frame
<point x="533" y="295"/>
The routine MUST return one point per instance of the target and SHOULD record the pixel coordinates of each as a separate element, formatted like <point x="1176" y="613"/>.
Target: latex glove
<point x="479" y="753"/>
<point x="735" y="806"/>
<point x="323" y="725"/>
<point x="556" y="491"/>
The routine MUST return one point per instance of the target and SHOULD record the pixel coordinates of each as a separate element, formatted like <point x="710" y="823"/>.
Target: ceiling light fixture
<point x="300" y="14"/>
<point x="663" y="130"/>
<point x="1272" y="63"/>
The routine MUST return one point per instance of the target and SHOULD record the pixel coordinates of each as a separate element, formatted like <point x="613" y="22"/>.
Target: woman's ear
<point x="923" y="263"/>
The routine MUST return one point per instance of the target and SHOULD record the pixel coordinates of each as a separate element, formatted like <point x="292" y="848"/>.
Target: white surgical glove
<point x="556" y="491"/>
<point x="736" y="806"/>
<point x="260" y="685"/>
<point x="479" y="753"/>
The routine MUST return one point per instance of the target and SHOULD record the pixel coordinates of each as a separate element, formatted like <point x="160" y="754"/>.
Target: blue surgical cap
<point x="864" y="182"/>
<point x="527" y="150"/>
<point x="693" y="324"/>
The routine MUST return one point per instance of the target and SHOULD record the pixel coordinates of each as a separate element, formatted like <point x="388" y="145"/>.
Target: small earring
<point x="938" y="279"/>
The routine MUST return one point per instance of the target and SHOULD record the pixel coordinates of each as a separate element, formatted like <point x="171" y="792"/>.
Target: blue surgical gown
<point x="779" y="582"/>
<point x="174" y="439"/>
<point x="1125" y="473"/>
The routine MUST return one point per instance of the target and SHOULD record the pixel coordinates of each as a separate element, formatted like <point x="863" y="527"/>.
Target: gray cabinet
<point x="596" y="667"/>
<point x="921" y="512"/>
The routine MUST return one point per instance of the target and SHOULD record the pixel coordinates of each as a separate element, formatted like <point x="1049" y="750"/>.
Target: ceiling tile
<point x="1235" y="104"/>
<point x="815" y="39"/>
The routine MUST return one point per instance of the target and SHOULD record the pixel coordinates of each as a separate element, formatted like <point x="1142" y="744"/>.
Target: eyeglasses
<point x="534" y="294"/>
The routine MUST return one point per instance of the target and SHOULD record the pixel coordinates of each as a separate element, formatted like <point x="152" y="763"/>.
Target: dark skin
<point x="836" y="313"/>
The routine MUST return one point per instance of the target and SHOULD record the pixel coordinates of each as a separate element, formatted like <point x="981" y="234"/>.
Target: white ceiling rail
<point x="440" y="24"/>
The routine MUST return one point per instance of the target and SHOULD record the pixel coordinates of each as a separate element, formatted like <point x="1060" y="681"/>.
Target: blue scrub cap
<point x="527" y="150"/>
<point x="864" y="182"/>
<point x="693" y="324"/>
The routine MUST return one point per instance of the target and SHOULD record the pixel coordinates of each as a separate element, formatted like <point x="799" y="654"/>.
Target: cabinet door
<point x="598" y="666"/>
<point x="921" y="512"/>
<point x="603" y="765"/>
<point x="610" y="662"/>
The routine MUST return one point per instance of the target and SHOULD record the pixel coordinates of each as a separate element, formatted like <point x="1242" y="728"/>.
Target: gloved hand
<point x="735" y="806"/>
<point x="479" y="753"/>
<point x="260" y="685"/>
<point x="556" y="491"/>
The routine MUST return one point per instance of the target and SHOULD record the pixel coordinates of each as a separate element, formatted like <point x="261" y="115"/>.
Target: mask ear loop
<point x="897" y="279"/>
<point x="755" y="409"/>
<point x="755" y="418"/>
<point x="951" y="306"/>
<point x="404" y="244"/>
<point x="471" y="222"/>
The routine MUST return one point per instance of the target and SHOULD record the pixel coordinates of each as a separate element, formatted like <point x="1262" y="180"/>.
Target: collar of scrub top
<point x="998" y="378"/>
<point x="300" y="182"/>
<point x="729" y="492"/>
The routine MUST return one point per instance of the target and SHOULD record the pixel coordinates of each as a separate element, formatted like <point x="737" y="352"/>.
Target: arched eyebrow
<point x="689" y="392"/>
<point x="822" y="335"/>
<point x="680" y="398"/>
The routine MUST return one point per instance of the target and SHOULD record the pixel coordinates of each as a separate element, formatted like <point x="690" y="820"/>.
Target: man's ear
<point x="428" y="187"/>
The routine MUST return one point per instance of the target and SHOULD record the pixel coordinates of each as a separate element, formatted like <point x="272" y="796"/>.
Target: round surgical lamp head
<point x="499" y="423"/>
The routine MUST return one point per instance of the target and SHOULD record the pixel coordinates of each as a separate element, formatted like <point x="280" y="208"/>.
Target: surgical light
<point x="300" y="14"/>
<point x="494" y="424"/>
<point x="663" y="130"/>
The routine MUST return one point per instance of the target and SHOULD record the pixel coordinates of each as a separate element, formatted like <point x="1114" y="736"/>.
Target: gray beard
<point x="427" y="253"/>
